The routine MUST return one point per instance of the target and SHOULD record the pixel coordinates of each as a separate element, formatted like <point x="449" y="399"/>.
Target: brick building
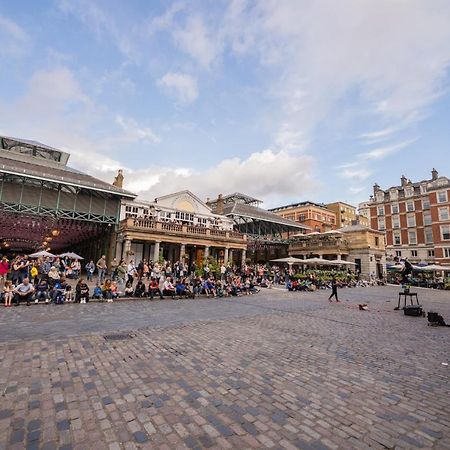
<point x="314" y="215"/>
<point x="415" y="218"/>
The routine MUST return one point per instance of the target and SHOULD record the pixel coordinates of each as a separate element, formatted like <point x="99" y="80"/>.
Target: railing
<point x="176" y="228"/>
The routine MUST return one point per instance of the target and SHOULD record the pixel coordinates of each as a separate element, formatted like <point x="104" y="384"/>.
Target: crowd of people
<point x="60" y="280"/>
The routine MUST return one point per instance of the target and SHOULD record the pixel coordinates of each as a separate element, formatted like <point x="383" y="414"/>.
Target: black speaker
<point x="413" y="310"/>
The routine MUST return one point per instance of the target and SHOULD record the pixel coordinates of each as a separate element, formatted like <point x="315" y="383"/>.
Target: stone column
<point x="243" y="256"/>
<point x="225" y="255"/>
<point x="182" y="252"/>
<point x="206" y="252"/>
<point x="127" y="250"/>
<point x="156" y="251"/>
<point x="230" y="255"/>
<point x="339" y="256"/>
<point x="119" y="250"/>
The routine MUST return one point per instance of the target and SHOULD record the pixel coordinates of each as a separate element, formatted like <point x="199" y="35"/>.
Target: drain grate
<point x="117" y="337"/>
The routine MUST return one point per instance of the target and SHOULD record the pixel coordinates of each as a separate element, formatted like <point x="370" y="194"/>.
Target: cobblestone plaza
<point x="275" y="370"/>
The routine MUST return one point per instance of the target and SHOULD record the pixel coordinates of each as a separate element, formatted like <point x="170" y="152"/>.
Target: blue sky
<point x="286" y="100"/>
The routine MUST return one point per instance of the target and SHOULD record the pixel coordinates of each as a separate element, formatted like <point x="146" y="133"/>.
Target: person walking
<point x="101" y="268"/>
<point x="333" y="291"/>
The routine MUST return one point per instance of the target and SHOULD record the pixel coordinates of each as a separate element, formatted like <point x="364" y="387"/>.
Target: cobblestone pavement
<point x="276" y="370"/>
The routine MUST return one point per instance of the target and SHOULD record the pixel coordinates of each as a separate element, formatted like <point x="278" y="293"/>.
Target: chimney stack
<point x="434" y="174"/>
<point x="118" y="179"/>
<point x="219" y="205"/>
<point x="404" y="181"/>
<point x="376" y="188"/>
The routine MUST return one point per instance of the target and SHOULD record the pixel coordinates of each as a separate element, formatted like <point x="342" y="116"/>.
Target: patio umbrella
<point x="435" y="268"/>
<point x="320" y="261"/>
<point x="345" y="263"/>
<point x="42" y="254"/>
<point x="289" y="260"/>
<point x="70" y="255"/>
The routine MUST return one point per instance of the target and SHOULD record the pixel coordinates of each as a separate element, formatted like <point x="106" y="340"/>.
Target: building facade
<point x="177" y="227"/>
<point x="315" y="216"/>
<point x="358" y="244"/>
<point x="415" y="218"/>
<point x="345" y="213"/>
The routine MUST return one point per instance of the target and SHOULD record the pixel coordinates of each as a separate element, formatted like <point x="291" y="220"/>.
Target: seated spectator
<point x="153" y="288"/>
<point x="182" y="290"/>
<point x="139" y="290"/>
<point x="128" y="289"/>
<point x="82" y="291"/>
<point x="107" y="291"/>
<point x="8" y="293"/>
<point x="210" y="287"/>
<point x="42" y="289"/>
<point x="23" y="292"/>
<point x="169" y="288"/>
<point x="114" y="290"/>
<point x="98" y="293"/>
<point x="68" y="295"/>
<point x="58" y="293"/>
<point x="53" y="276"/>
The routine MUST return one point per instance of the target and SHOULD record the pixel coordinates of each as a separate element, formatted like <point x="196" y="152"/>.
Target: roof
<point x="12" y="163"/>
<point x="253" y="212"/>
<point x="358" y="227"/>
<point x="186" y="191"/>
<point x="339" y="203"/>
<point x="294" y="205"/>
<point x="236" y="196"/>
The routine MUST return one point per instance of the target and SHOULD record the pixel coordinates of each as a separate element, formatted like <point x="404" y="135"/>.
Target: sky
<point x="284" y="100"/>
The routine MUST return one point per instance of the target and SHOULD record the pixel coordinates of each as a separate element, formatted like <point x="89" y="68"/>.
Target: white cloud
<point x="13" y="39"/>
<point x="134" y="132"/>
<point x="360" y="174"/>
<point x="270" y="175"/>
<point x="179" y="85"/>
<point x="382" y="152"/>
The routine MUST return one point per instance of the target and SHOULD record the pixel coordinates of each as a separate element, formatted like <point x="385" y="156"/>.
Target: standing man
<point x="24" y="291"/>
<point x="333" y="290"/>
<point x="101" y="268"/>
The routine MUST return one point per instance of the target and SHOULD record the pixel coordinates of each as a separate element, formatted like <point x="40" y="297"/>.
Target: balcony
<point x="183" y="231"/>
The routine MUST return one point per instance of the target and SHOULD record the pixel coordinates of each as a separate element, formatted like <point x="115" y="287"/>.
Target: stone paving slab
<point x="277" y="370"/>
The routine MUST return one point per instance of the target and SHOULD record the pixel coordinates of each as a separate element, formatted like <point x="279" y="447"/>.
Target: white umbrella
<point x="320" y="261"/>
<point x="290" y="260"/>
<point x="346" y="263"/>
<point x="42" y="254"/>
<point x="70" y="255"/>
<point x="435" y="268"/>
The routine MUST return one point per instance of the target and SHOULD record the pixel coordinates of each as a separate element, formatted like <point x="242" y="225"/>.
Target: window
<point x="409" y="206"/>
<point x="443" y="214"/>
<point x="442" y="197"/>
<point x="394" y="208"/>
<point x="430" y="253"/>
<point x="135" y="209"/>
<point x="381" y="210"/>
<point x="377" y="241"/>
<point x="427" y="218"/>
<point x="414" y="253"/>
<point x="395" y="222"/>
<point x="446" y="252"/>
<point x="301" y="217"/>
<point x="128" y="208"/>
<point x="445" y="232"/>
<point x="397" y="238"/>
<point x="393" y="194"/>
<point x="412" y="237"/>
<point x="398" y="253"/>
<point x="381" y="224"/>
<point x="426" y="203"/>
<point x="428" y="236"/>
<point x="380" y="196"/>
<point x="409" y="192"/>
<point x="411" y="220"/>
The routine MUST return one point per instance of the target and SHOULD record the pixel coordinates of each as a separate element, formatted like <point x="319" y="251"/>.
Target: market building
<point x="176" y="227"/>
<point x="267" y="233"/>
<point x="45" y="204"/>
<point x="345" y="213"/>
<point x="357" y="244"/>
<point x="415" y="217"/>
<point x="314" y="216"/>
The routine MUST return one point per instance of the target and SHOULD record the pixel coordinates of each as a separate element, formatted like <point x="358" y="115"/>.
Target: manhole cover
<point x="117" y="337"/>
